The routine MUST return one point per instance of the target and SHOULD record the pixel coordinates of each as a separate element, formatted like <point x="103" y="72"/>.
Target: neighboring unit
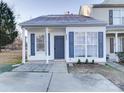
<point x="111" y="12"/>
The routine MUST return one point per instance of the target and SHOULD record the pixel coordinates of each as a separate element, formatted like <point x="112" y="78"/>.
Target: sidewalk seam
<point x="49" y="82"/>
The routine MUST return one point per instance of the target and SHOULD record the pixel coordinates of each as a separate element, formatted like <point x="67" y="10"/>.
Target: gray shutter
<point x="71" y="44"/>
<point x="49" y="44"/>
<point x="100" y="44"/>
<point x="111" y="45"/>
<point x="122" y="44"/>
<point x="110" y="17"/>
<point x="32" y="44"/>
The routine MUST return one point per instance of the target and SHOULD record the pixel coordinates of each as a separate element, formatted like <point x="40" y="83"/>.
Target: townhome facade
<point x="65" y="37"/>
<point x="111" y="12"/>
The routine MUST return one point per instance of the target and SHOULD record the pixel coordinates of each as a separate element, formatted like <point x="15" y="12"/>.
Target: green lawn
<point x="5" y="68"/>
<point x="8" y="66"/>
<point x="9" y="58"/>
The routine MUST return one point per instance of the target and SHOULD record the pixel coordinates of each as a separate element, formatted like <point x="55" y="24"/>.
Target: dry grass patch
<point x="10" y="57"/>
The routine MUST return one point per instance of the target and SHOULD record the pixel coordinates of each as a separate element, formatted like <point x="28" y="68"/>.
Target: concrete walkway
<point x="116" y="66"/>
<point x="38" y="67"/>
<point x="24" y="82"/>
<point x="81" y="83"/>
<point x="52" y="78"/>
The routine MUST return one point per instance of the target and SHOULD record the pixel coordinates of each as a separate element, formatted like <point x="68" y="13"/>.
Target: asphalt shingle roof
<point x="62" y="20"/>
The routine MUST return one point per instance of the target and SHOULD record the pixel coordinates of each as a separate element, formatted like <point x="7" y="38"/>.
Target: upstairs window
<point x="118" y="17"/>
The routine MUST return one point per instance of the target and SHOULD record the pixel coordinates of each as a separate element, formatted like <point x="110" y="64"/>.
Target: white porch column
<point x="23" y="46"/>
<point x="47" y="58"/>
<point x="116" y="42"/>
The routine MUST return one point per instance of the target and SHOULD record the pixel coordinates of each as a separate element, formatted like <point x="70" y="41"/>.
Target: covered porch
<point x="43" y="44"/>
<point x="114" y="43"/>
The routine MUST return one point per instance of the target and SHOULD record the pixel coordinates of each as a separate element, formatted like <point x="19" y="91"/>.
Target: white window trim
<point x="39" y="52"/>
<point x="86" y="56"/>
<point x="92" y="45"/>
<point x="79" y="44"/>
<point x="86" y="45"/>
<point x="120" y="16"/>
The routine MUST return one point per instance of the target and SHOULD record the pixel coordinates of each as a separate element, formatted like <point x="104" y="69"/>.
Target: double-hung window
<point x="40" y="43"/>
<point x="92" y="44"/>
<point x="79" y="44"/>
<point x="85" y="44"/>
<point x="118" y="16"/>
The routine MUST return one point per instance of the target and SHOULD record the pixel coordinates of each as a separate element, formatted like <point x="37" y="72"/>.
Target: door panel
<point x="59" y="47"/>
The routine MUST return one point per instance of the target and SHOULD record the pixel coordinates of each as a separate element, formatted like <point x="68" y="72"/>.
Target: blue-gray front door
<point x="59" y="47"/>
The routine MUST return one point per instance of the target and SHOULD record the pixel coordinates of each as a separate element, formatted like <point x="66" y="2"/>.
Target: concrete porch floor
<point x="52" y="78"/>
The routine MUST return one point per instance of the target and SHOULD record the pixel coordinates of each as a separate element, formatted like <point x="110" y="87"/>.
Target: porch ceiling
<point x="115" y="28"/>
<point x="113" y="35"/>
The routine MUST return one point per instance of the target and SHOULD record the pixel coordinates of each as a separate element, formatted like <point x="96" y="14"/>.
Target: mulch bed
<point x="121" y="63"/>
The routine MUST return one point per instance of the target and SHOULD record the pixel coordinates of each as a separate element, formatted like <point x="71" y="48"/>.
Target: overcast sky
<point x="27" y="9"/>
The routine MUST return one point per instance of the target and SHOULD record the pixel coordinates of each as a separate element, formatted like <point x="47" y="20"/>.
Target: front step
<point x="59" y="60"/>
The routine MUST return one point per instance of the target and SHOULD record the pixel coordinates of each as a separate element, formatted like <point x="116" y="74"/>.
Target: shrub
<point x="120" y="56"/>
<point x="93" y="61"/>
<point x="86" y="61"/>
<point x="79" y="61"/>
<point x="107" y="57"/>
